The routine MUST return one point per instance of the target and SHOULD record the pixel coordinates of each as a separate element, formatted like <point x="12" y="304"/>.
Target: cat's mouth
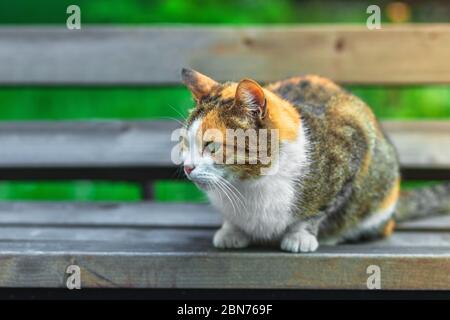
<point x="201" y="181"/>
<point x="202" y="184"/>
<point x="208" y="180"/>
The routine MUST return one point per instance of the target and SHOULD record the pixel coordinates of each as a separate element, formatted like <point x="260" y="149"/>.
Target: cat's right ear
<point x="199" y="84"/>
<point x="250" y="96"/>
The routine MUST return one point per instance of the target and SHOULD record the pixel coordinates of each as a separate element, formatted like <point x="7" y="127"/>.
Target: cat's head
<point x="233" y="133"/>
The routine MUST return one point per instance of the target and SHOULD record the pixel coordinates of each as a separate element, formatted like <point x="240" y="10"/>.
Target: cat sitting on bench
<point x="333" y="176"/>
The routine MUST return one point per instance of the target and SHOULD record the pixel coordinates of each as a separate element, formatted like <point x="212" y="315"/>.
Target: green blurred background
<point x="54" y="103"/>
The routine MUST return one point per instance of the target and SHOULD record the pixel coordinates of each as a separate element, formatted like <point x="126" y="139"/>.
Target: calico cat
<point x="334" y="178"/>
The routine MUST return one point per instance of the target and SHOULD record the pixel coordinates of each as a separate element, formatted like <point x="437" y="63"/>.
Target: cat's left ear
<point x="199" y="84"/>
<point x="250" y="95"/>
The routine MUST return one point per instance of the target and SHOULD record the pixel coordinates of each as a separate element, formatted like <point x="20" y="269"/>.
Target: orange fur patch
<point x="229" y="91"/>
<point x="392" y="196"/>
<point x="365" y="165"/>
<point x="283" y="116"/>
<point x="212" y="121"/>
<point x="389" y="228"/>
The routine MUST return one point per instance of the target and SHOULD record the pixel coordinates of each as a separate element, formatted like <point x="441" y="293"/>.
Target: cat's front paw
<point x="299" y="242"/>
<point x="230" y="238"/>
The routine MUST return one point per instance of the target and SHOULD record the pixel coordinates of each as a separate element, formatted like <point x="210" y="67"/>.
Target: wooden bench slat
<point x="437" y="223"/>
<point x="190" y="264"/>
<point x="85" y="144"/>
<point x="110" y="144"/>
<point x="155" y="236"/>
<point x="421" y="144"/>
<point x="190" y="237"/>
<point x="141" y="215"/>
<point x="120" y="55"/>
<point x="198" y="242"/>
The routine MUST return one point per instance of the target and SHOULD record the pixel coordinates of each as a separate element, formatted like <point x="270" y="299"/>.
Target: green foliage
<point x="93" y="103"/>
<point x="79" y="190"/>
<point x="412" y="184"/>
<point x="178" y="191"/>
<point x="212" y="11"/>
<point x="419" y="102"/>
<point x="415" y="102"/>
<point x="182" y="11"/>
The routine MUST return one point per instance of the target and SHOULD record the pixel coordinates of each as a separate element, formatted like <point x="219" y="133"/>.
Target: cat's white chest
<point x="264" y="209"/>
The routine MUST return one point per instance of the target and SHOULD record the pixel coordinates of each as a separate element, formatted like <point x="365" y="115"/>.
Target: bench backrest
<point x="414" y="54"/>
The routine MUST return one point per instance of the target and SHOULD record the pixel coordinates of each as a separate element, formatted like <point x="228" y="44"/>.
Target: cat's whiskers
<point x="220" y="186"/>
<point x="216" y="183"/>
<point x="174" y="119"/>
<point x="227" y="188"/>
<point x="232" y="189"/>
<point x="235" y="191"/>
<point x="231" y="192"/>
<point x="177" y="111"/>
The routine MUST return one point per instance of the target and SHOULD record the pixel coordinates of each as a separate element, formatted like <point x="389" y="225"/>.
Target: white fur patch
<point x="370" y="223"/>
<point x="301" y="241"/>
<point x="230" y="237"/>
<point x="377" y="218"/>
<point x="191" y="157"/>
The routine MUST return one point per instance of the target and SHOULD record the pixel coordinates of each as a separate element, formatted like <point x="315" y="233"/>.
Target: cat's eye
<point x="212" y="147"/>
<point x="184" y="142"/>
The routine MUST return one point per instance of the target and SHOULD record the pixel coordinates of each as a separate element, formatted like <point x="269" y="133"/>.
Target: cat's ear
<point x="199" y="84"/>
<point x="250" y="95"/>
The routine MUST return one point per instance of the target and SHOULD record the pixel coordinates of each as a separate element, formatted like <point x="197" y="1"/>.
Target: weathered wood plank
<point x="188" y="237"/>
<point x="421" y="144"/>
<point x="44" y="145"/>
<point x="199" y="242"/>
<point x="86" y="144"/>
<point x="437" y="223"/>
<point x="113" y="55"/>
<point x="191" y="265"/>
<point x="149" y="235"/>
<point x="141" y="215"/>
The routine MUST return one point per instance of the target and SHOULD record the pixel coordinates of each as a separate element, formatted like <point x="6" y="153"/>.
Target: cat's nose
<point x="188" y="169"/>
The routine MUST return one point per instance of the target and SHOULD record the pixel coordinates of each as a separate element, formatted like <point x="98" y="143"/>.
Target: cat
<point x="335" y="176"/>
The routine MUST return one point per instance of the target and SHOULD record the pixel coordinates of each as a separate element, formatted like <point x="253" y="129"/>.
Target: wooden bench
<point x="168" y="245"/>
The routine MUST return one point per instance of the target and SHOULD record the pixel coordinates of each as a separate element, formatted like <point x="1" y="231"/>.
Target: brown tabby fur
<point x="353" y="168"/>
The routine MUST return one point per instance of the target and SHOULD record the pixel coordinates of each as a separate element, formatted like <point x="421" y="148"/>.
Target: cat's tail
<point x="423" y="202"/>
